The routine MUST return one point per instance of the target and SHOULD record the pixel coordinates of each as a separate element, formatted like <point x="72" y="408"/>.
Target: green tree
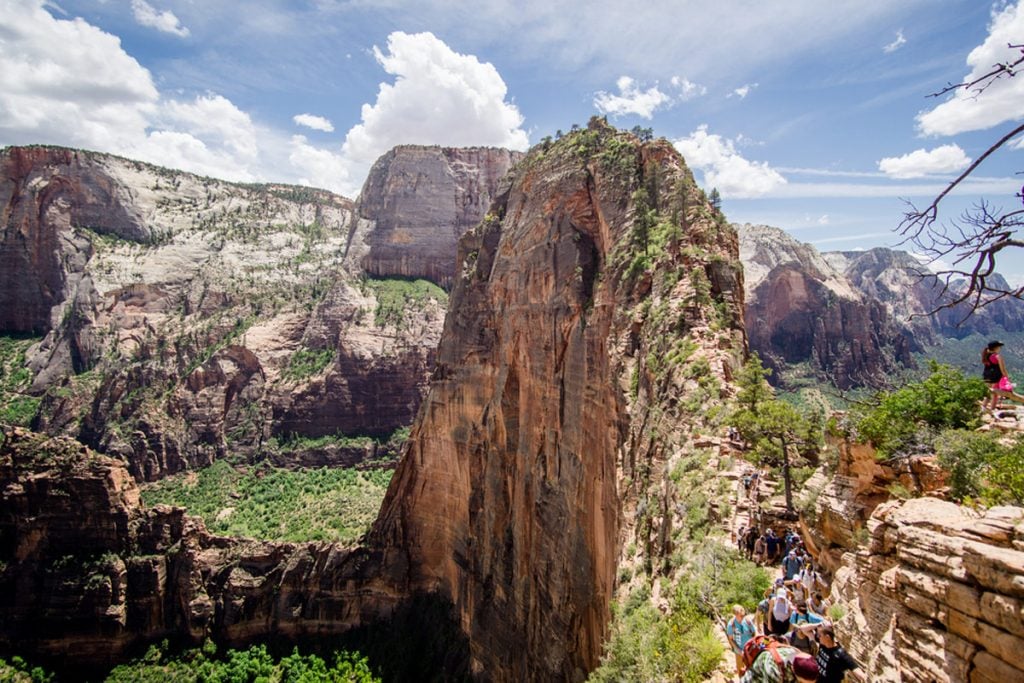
<point x="715" y="198"/>
<point x="776" y="431"/>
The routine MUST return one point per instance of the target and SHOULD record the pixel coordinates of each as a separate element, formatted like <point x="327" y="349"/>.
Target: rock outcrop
<point x="932" y="590"/>
<point x="936" y="594"/>
<point x="182" y="317"/>
<point x="421" y="201"/>
<point x="507" y="500"/>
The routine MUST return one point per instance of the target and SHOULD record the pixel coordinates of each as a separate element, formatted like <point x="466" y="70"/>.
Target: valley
<point x="479" y="422"/>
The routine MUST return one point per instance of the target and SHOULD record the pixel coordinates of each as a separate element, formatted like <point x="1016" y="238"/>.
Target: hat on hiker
<point x="995" y="344"/>
<point x="805" y="667"/>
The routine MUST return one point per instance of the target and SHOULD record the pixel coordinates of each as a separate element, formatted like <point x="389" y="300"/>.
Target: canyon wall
<point x="421" y="201"/>
<point x="181" y="318"/>
<point x="851" y="318"/>
<point x="595" y="320"/>
<point x="932" y="590"/>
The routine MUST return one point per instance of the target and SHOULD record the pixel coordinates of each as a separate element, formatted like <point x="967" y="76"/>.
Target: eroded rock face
<point x="801" y="309"/>
<point x="507" y="499"/>
<point x="421" y="200"/>
<point x="184" y="317"/>
<point x="936" y="594"/>
<point x="88" y="574"/>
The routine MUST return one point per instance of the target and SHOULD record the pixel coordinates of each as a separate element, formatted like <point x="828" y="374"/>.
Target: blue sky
<point x="808" y="115"/>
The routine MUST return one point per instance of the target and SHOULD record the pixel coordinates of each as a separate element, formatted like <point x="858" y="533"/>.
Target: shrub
<point x="981" y="467"/>
<point x="906" y="421"/>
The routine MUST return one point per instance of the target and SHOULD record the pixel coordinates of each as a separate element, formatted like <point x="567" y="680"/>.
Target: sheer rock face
<point x="507" y="499"/>
<point x="854" y="317"/>
<point x="802" y="309"/>
<point x="421" y="200"/>
<point x="180" y="313"/>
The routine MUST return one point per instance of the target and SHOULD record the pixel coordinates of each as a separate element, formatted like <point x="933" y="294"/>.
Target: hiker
<point x="791" y="564"/>
<point x="780" y="612"/>
<point x="741" y="538"/>
<point x="995" y="375"/>
<point x="772" y="545"/>
<point x="779" y="662"/>
<point x="739" y="629"/>
<point x="761" y="613"/>
<point x="800" y="637"/>
<point x="747" y="480"/>
<point x="817" y="603"/>
<point x="751" y="541"/>
<point x="833" y="660"/>
<point x="760" y="548"/>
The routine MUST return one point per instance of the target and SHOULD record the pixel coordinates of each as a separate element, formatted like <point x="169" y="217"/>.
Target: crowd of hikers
<point x="789" y="638"/>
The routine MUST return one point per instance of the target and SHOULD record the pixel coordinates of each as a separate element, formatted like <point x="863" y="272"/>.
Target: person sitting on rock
<point x="794" y="664"/>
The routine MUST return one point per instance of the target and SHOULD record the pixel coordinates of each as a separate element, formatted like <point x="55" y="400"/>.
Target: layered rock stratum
<point x="421" y="201"/>
<point x="183" y="318"/>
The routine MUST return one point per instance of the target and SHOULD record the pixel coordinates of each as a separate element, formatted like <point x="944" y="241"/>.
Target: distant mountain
<point x="852" y="317"/>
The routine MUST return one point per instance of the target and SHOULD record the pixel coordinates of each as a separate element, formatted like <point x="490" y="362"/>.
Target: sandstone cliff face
<point x="932" y="589"/>
<point x="185" y="317"/>
<point x="87" y="574"/>
<point x="421" y="200"/>
<point x="854" y="317"/>
<point x="936" y="594"/>
<point x="801" y="309"/>
<point x="507" y="500"/>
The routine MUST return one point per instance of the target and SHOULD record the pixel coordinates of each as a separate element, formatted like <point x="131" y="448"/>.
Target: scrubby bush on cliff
<point x="982" y="466"/>
<point x="775" y="431"/>
<point x="906" y="421"/>
<point x="18" y="671"/>
<point x="238" y="666"/>
<point x="647" y="645"/>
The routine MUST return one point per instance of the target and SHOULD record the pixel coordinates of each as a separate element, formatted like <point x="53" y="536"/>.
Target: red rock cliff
<point x="507" y="499"/>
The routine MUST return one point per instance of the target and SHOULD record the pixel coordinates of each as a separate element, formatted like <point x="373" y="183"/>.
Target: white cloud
<point x="687" y="88"/>
<point x="823" y="220"/>
<point x="631" y="99"/>
<point x="318" y="167"/>
<point x="724" y="168"/>
<point x="896" y="44"/>
<point x="919" y="163"/>
<point x="1002" y="101"/>
<point x="165" y="21"/>
<point x="314" y="122"/>
<point x="66" y="81"/>
<point x="439" y="97"/>
<point x="743" y="90"/>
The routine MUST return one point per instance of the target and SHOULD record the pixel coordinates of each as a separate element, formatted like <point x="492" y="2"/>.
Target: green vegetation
<point x="18" y="671"/>
<point x="647" y="645"/>
<point x="983" y="466"/>
<point x="395" y="297"/>
<point x="297" y="442"/>
<point x="776" y="431"/>
<point x="16" y="406"/>
<point x="277" y="504"/>
<point x="906" y="421"/>
<point x="254" y="665"/>
<point x="306" y="363"/>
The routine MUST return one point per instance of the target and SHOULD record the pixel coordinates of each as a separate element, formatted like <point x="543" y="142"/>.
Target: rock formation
<point x="853" y="318"/>
<point x="800" y="309"/>
<point x="183" y="317"/>
<point x="596" y="317"/>
<point x="932" y="590"/>
<point x="421" y="200"/>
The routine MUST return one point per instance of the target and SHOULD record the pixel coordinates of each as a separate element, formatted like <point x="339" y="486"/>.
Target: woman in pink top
<point x="995" y="375"/>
